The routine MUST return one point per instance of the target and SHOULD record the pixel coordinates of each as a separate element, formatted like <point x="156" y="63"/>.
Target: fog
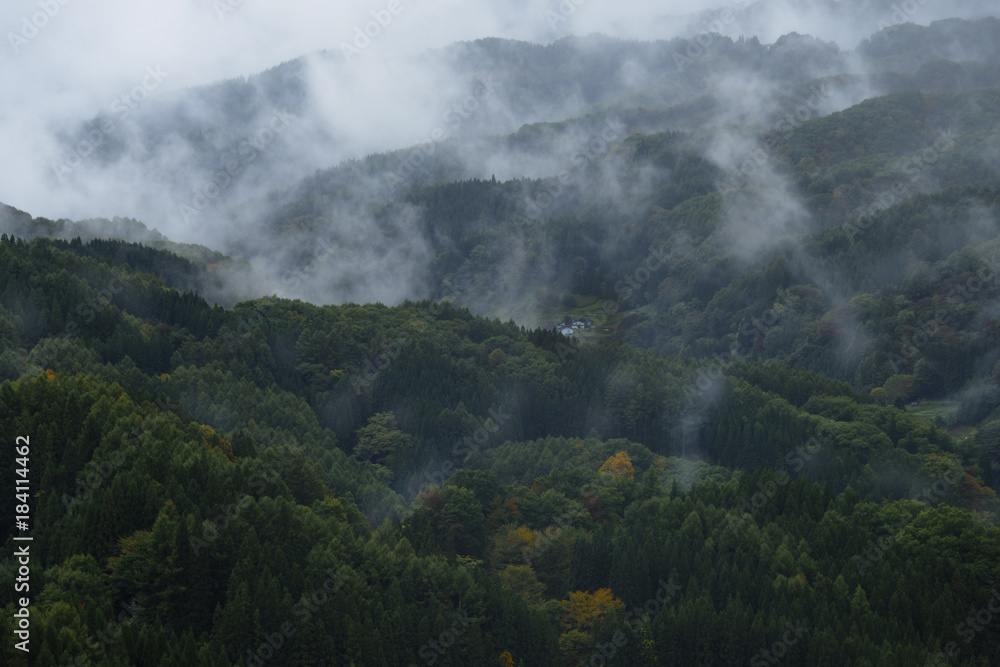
<point x="114" y="110"/>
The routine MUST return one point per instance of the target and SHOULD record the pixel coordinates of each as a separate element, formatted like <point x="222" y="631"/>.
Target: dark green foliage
<point x="196" y="500"/>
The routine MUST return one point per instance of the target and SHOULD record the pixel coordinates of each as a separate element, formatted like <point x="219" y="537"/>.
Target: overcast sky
<point x="91" y="50"/>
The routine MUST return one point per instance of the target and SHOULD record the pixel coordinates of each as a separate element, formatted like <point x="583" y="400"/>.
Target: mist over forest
<point x="550" y="332"/>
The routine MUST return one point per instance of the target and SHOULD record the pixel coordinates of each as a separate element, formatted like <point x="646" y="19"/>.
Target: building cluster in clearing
<point x="568" y="327"/>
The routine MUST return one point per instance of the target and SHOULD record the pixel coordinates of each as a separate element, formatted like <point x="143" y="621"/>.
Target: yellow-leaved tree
<point x="620" y="464"/>
<point x="583" y="610"/>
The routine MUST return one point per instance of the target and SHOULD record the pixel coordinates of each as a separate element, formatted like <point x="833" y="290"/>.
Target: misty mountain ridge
<point x="213" y="146"/>
<point x="185" y="137"/>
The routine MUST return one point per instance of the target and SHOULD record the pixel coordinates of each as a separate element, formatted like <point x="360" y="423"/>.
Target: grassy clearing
<point x="932" y="409"/>
<point x="945" y="410"/>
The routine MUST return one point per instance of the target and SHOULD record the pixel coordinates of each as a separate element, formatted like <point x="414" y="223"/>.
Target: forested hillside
<point x="371" y="485"/>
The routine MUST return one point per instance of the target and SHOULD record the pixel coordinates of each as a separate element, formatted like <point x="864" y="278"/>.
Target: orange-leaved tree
<point x="620" y="464"/>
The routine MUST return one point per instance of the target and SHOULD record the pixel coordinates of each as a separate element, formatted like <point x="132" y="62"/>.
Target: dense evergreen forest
<point x="293" y="484"/>
<point x="770" y="435"/>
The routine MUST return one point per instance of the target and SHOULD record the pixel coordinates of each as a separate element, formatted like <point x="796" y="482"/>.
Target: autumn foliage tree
<point x="620" y="465"/>
<point x="583" y="611"/>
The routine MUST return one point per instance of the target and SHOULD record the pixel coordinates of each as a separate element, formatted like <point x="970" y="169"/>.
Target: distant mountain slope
<point x="185" y="267"/>
<point x="191" y="156"/>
